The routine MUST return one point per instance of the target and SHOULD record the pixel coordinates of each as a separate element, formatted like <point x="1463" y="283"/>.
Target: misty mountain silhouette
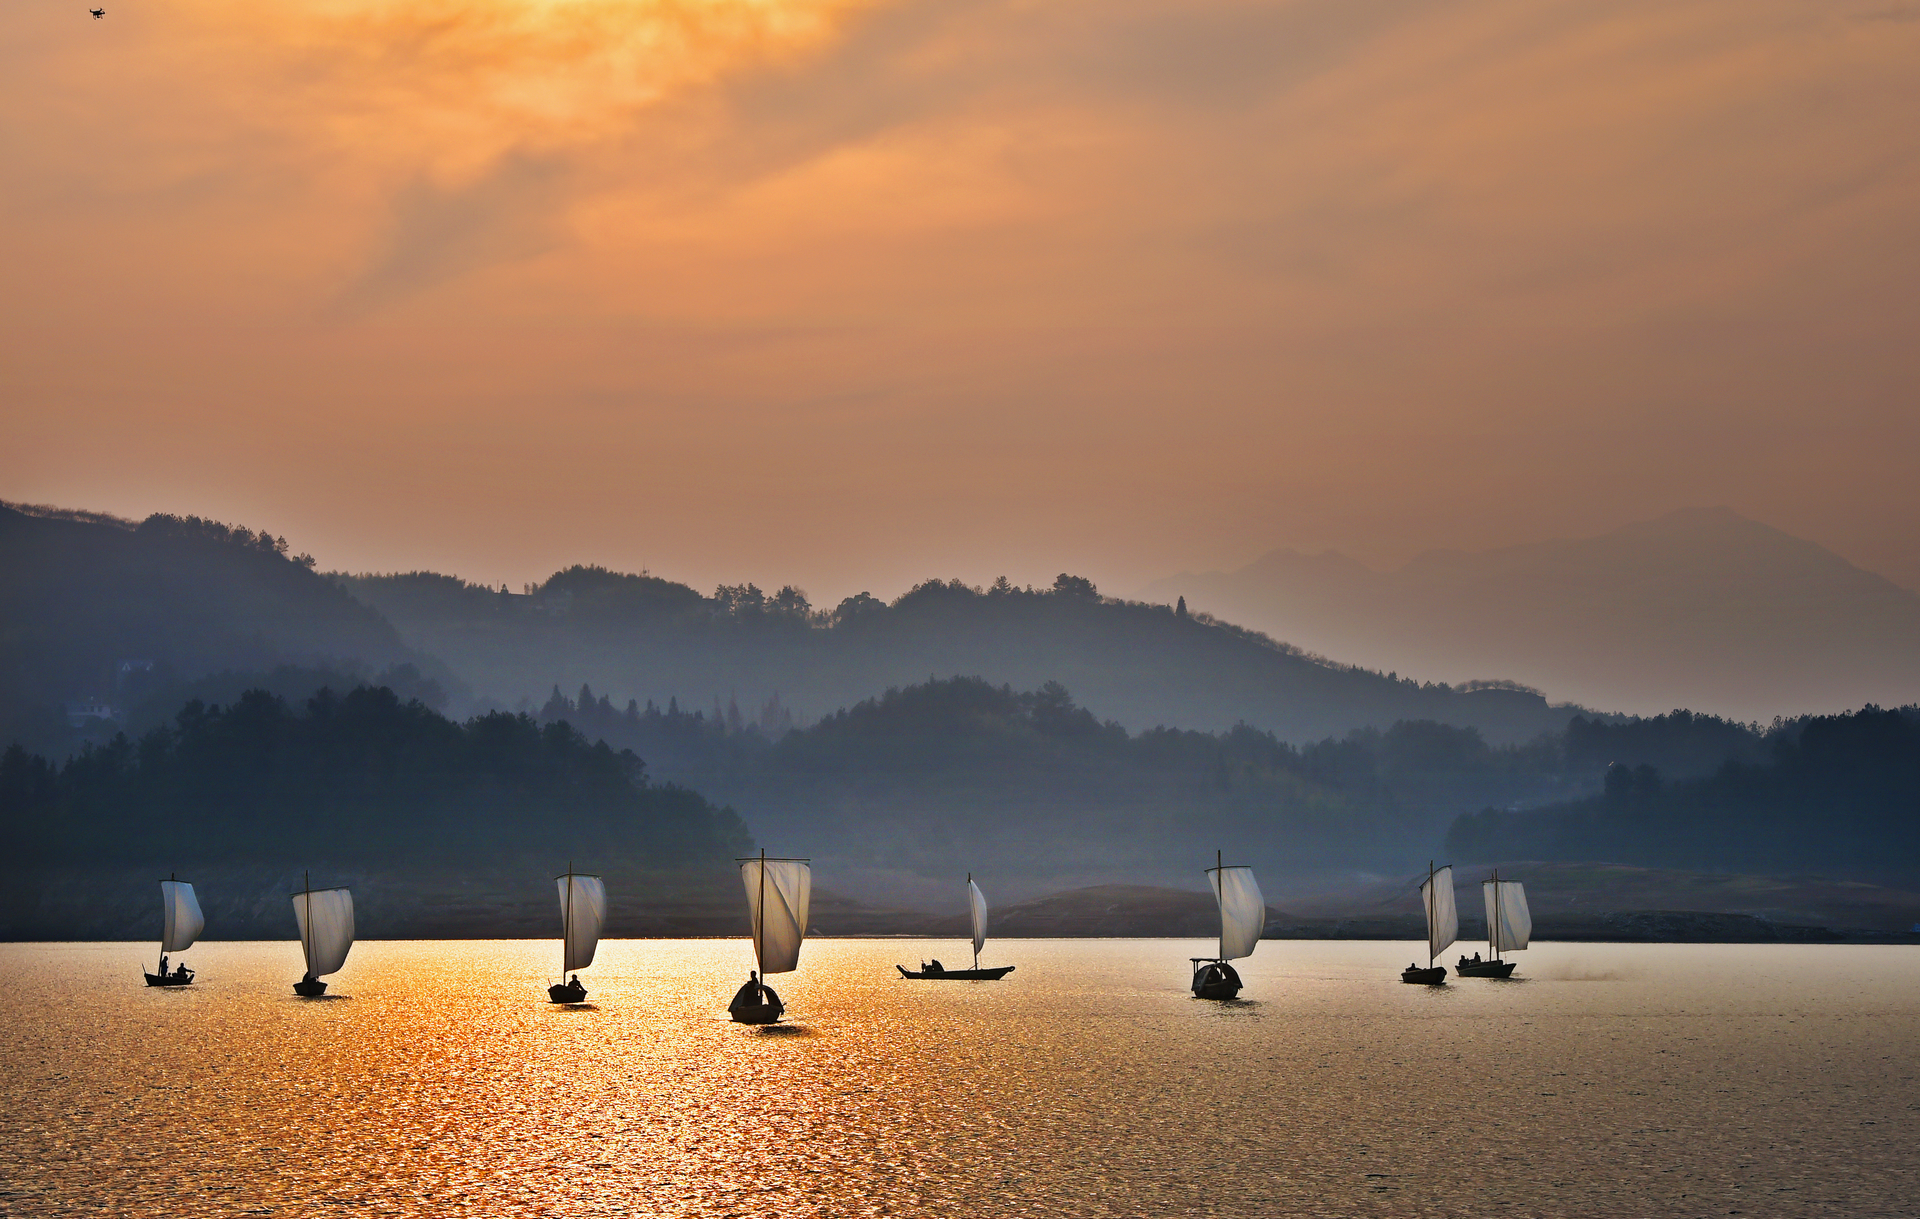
<point x="1700" y="608"/>
<point x="644" y="638"/>
<point x="101" y="610"/>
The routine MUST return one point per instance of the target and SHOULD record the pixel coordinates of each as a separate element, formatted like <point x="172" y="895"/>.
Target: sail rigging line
<point x="566" y="924"/>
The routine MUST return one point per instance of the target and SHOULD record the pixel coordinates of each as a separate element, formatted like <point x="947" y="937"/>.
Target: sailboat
<point x="1509" y="926"/>
<point x="326" y="932"/>
<point x="1443" y="925"/>
<point x="583" y="911"/>
<point x="977" y="906"/>
<point x="180" y="925"/>
<point x="778" y="891"/>
<point x="1243" y="916"/>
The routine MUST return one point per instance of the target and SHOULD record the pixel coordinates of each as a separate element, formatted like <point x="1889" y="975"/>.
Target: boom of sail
<point x="1443" y="918"/>
<point x="583" y="912"/>
<point x="778" y="892"/>
<point x="1243" y="911"/>
<point x="182" y="920"/>
<point x="1509" y="924"/>
<point x="326" y="928"/>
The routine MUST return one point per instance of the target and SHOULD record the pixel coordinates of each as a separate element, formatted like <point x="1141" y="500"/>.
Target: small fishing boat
<point x="1443" y="926"/>
<point x="1243" y="916"/>
<point x="977" y="906"/>
<point x="180" y="925"/>
<point x="778" y="893"/>
<point x="583" y="912"/>
<point x="326" y="933"/>
<point x="1509" y="927"/>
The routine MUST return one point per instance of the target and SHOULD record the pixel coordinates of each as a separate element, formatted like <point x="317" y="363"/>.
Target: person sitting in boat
<point x="1476" y="958"/>
<point x="935" y="968"/>
<point x="573" y="983"/>
<point x="163" y="964"/>
<point x="754" y="994"/>
<point x="183" y="973"/>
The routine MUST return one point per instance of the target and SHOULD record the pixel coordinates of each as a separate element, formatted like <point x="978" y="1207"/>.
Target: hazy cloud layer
<point x="848" y="294"/>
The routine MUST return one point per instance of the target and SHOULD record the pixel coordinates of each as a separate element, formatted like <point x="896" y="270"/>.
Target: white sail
<point x="1509" y="925"/>
<point x="182" y="920"/>
<point x="1443" y="920"/>
<point x="977" y="904"/>
<point x="326" y="928"/>
<point x="1243" y="912"/>
<point x="777" y="906"/>
<point x="583" y="912"/>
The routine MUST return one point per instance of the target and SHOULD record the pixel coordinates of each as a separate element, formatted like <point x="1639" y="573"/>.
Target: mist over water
<point x="1612" y="1079"/>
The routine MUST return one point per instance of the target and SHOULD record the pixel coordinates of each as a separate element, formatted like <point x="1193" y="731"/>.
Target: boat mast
<point x="760" y="911"/>
<point x="566" y="925"/>
<point x="1220" y="891"/>
<point x="1429" y="914"/>
<point x="166" y="913"/>
<point x="1492" y="928"/>
<point x="306" y="932"/>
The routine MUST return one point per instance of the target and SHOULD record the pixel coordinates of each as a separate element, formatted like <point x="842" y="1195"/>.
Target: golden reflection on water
<point x="1761" y="1080"/>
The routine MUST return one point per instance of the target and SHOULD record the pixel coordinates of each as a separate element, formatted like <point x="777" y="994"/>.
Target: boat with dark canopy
<point x="977" y="907"/>
<point x="778" y="894"/>
<point x="1243" y="916"/>
<point x="326" y="933"/>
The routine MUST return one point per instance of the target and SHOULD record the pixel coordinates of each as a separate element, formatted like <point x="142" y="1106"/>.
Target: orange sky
<point x="849" y="294"/>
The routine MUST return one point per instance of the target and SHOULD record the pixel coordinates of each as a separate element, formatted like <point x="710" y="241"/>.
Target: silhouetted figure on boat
<point x="935" y="967"/>
<point x="163" y="964"/>
<point x="183" y="973"/>
<point x="752" y="1002"/>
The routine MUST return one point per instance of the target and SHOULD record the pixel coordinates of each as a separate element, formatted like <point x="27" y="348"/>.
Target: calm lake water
<point x="1615" y="1080"/>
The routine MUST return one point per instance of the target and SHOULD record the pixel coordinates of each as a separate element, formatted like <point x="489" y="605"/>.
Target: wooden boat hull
<point x="310" y="990"/>
<point x="1217" y="980"/>
<point x="958" y="975"/>
<point x="1437" y="976"/>
<point x="757" y="1013"/>
<point x="567" y="994"/>
<point x="1485" y="969"/>
<point x="166" y="980"/>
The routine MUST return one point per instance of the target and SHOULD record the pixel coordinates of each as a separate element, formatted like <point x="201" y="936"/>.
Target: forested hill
<point x="101" y="612"/>
<point x="353" y="784"/>
<point x="898" y="795"/>
<point x="1836" y="794"/>
<point x="644" y="638"/>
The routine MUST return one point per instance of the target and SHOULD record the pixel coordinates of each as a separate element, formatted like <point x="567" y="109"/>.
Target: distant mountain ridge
<point x="640" y="637"/>
<point x="101" y="611"/>
<point x="1700" y="608"/>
